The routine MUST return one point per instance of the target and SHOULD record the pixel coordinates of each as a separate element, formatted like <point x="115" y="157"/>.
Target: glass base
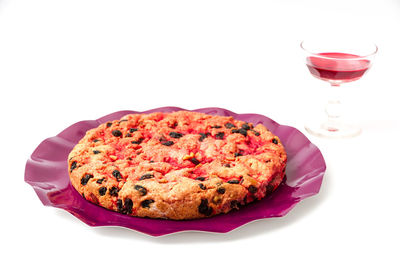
<point x="339" y="130"/>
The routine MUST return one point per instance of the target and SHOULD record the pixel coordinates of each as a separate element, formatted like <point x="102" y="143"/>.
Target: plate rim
<point x="42" y="193"/>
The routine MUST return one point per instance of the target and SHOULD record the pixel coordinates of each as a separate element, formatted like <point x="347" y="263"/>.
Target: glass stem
<point x="333" y="108"/>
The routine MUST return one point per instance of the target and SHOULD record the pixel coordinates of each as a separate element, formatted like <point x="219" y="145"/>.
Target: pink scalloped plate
<point x="47" y="172"/>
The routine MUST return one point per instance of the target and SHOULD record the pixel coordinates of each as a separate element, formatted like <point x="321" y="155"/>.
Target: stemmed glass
<point x="337" y="62"/>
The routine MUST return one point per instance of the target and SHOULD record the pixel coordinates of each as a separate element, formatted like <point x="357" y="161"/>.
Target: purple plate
<point x="47" y="172"/>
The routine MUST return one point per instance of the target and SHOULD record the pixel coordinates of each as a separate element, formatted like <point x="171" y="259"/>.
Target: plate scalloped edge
<point x="47" y="172"/>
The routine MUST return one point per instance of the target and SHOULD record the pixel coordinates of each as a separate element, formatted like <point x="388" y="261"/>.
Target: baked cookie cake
<point x="180" y="165"/>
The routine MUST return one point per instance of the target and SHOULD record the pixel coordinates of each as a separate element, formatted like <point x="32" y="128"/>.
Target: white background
<point x="65" y="61"/>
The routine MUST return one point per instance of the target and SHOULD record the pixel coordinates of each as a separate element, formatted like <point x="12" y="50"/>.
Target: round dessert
<point x="180" y="165"/>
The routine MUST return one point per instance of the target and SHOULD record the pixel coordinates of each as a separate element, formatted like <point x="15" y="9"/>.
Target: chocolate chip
<point x="203" y="136"/>
<point x="200" y="178"/>
<point x="202" y="186"/>
<point x="246" y="126"/>
<point x="138" y="142"/>
<point x="128" y="203"/>
<point x="100" y="181"/>
<point x="102" y="190"/>
<point x="146" y="176"/>
<point x="116" y="133"/>
<point x="85" y="179"/>
<point x="117" y="174"/>
<point x="126" y="207"/>
<point x="237" y="154"/>
<point x="229" y="125"/>
<point x="122" y="121"/>
<point x="242" y="132"/>
<point x="220" y="135"/>
<point x="113" y="191"/>
<point x="175" y="135"/>
<point x="194" y="161"/>
<point x="73" y="166"/>
<point x="132" y="130"/>
<point x="269" y="188"/>
<point x="275" y="141"/>
<point x="235" y="131"/>
<point x="120" y="207"/>
<point x="216" y="126"/>
<point x="252" y="189"/>
<point x="168" y="143"/>
<point x="204" y="208"/>
<point x="234" y="181"/>
<point x="146" y="203"/>
<point x="96" y="152"/>
<point x="141" y="189"/>
<point x="173" y="126"/>
<point x="221" y="190"/>
<point x="235" y="204"/>
<point x="128" y="135"/>
<point x="109" y="124"/>
<point x="96" y="140"/>
<point x="255" y="133"/>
